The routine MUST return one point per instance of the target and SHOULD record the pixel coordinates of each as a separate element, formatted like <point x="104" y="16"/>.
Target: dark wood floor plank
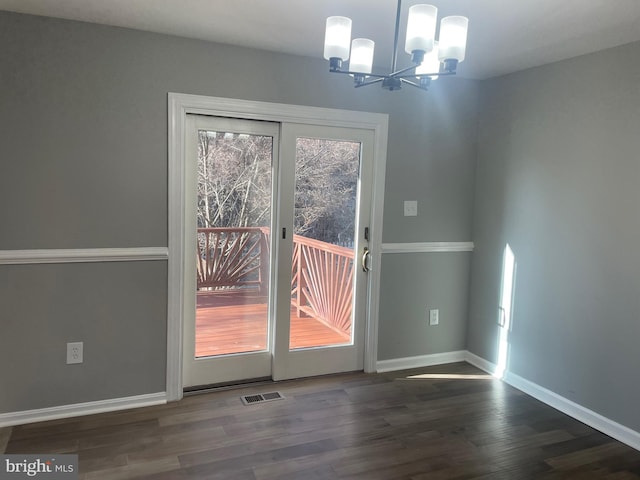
<point x="445" y="422"/>
<point x="5" y="433"/>
<point x="125" y="472"/>
<point x="587" y="456"/>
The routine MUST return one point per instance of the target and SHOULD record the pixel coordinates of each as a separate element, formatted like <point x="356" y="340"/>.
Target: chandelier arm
<point x="403" y="70"/>
<point x="349" y="72"/>
<point x="413" y="84"/>
<point x="394" y="58"/>
<point x="434" y="74"/>
<point x="364" y="84"/>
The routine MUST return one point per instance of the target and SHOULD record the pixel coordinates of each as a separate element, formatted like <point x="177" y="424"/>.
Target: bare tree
<point x="326" y="189"/>
<point x="234" y="179"/>
<point x="234" y="184"/>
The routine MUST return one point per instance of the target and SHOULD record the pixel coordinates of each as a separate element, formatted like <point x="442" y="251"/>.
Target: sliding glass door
<point x="328" y="188"/>
<point x="229" y="210"/>
<point x="278" y="215"/>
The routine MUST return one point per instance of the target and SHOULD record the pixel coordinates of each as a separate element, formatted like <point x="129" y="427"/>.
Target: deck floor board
<point x="234" y="322"/>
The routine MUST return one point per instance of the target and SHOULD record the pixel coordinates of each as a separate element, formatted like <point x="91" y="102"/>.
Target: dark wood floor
<point x="382" y="426"/>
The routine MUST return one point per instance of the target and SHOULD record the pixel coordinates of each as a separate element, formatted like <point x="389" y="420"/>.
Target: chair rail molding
<point x="82" y="255"/>
<point x="427" y="247"/>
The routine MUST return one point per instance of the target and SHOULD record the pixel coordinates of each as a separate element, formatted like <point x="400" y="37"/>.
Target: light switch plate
<point x="410" y="208"/>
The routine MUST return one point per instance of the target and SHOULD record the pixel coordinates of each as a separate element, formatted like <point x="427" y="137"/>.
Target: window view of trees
<point x="234" y="184"/>
<point x="326" y="189"/>
<point x="234" y="180"/>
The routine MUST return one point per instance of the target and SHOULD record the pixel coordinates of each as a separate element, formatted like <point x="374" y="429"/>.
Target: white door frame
<point x="180" y="105"/>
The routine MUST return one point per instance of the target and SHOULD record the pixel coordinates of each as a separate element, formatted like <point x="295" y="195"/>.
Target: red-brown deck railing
<point x="233" y="258"/>
<point x="321" y="279"/>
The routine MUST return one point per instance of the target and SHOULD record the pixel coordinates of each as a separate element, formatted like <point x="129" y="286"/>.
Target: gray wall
<point x="413" y="284"/>
<point x="116" y="309"/>
<point x="431" y="159"/>
<point x="558" y="179"/>
<point x="83" y="164"/>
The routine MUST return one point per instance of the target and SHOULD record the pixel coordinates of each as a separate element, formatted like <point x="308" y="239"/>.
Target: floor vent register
<point x="261" y="398"/>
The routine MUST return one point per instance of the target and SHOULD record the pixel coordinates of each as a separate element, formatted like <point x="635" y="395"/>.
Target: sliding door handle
<point x="365" y="260"/>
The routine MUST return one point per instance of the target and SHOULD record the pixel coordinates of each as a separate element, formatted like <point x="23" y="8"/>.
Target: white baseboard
<point x="480" y="362"/>
<point x="78" y="409"/>
<point x="420" y="361"/>
<point x="589" y="417"/>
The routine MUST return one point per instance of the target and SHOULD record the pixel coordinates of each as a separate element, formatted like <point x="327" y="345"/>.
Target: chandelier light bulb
<point x="453" y="38"/>
<point x="337" y="38"/>
<point x="430" y="64"/>
<point x="421" y="30"/>
<point x="361" y="55"/>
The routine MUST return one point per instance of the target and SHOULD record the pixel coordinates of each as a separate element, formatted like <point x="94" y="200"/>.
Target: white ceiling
<point x="504" y="35"/>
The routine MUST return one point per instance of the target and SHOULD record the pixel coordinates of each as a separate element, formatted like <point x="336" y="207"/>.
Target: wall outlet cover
<point x="410" y="208"/>
<point x="75" y="352"/>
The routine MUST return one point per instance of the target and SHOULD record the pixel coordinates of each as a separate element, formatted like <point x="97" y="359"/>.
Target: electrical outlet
<point x="74" y="352"/>
<point x="433" y="317"/>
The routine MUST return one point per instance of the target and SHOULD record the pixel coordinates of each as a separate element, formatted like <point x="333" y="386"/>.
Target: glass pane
<point x="234" y="215"/>
<point x="326" y="193"/>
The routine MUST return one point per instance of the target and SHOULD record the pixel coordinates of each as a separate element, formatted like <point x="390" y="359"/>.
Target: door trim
<point x="181" y="105"/>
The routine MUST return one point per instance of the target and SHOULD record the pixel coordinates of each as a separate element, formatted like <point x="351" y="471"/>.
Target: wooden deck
<point x="235" y="321"/>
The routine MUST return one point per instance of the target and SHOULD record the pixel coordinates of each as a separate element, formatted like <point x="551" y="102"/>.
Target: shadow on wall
<point x="505" y="309"/>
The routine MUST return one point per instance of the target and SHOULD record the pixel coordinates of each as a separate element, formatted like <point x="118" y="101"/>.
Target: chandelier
<point x="430" y="57"/>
